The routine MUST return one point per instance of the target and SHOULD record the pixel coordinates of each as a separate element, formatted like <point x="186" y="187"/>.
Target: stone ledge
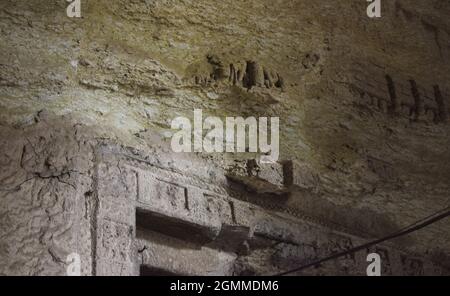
<point x="259" y="177"/>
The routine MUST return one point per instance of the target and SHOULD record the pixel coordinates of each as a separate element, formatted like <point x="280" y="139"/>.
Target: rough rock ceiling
<point x="127" y="68"/>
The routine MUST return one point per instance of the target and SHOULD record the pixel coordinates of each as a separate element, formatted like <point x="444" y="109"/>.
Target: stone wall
<point x="87" y="168"/>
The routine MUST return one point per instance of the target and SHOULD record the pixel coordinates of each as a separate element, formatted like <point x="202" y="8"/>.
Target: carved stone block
<point x="173" y="209"/>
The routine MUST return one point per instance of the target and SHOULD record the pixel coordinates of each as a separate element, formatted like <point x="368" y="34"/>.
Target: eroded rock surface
<point x="87" y="168"/>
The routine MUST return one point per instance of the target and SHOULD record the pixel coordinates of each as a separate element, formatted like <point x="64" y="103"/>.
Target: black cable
<point x="424" y="219"/>
<point x="412" y="228"/>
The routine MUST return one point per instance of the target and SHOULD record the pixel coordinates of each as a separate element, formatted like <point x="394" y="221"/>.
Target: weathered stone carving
<point x="113" y="80"/>
<point x="177" y="210"/>
<point x="259" y="177"/>
<point x="175" y="225"/>
<point x="246" y="74"/>
<point x="399" y="99"/>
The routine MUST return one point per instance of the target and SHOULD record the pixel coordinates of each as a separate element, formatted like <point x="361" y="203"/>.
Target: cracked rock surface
<point x="364" y="108"/>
